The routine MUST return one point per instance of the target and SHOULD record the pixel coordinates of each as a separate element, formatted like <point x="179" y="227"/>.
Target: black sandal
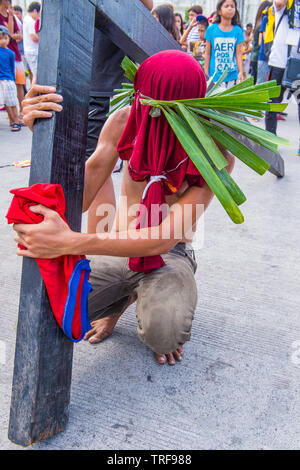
<point x="15" y="127"/>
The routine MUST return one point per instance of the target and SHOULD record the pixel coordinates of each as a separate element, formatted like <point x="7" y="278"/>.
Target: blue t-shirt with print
<point x="223" y="48"/>
<point x="261" y="55"/>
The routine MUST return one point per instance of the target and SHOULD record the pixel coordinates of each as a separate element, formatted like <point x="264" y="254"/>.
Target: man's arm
<point x="239" y="60"/>
<point x="53" y="237"/>
<point x="102" y="162"/>
<point x="34" y="37"/>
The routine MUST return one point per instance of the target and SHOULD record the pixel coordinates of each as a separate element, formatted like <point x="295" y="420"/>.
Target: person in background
<point x="8" y="90"/>
<point x="212" y="18"/>
<point x="247" y="48"/>
<point x="8" y="20"/>
<point x="18" y="14"/>
<point x="279" y="22"/>
<point x="18" y="11"/>
<point x="179" y="23"/>
<point x="256" y="39"/>
<point x="171" y="6"/>
<point x="262" y="63"/>
<point x="248" y="32"/>
<point x="199" y="48"/>
<point x="31" y="39"/>
<point x="191" y="34"/>
<point x="165" y="16"/>
<point x="224" y="41"/>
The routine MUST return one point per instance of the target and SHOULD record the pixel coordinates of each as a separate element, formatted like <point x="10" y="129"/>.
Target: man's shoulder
<point x="121" y="116"/>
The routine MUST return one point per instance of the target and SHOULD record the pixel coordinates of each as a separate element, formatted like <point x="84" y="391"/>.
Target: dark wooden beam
<point x="130" y="25"/>
<point x="43" y="356"/>
<point x="276" y="161"/>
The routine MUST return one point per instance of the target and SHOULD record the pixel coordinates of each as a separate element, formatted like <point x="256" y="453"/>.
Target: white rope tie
<point x="153" y="179"/>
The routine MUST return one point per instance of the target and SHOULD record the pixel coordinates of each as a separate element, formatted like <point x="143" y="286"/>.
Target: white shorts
<point x="32" y="60"/>
<point x="8" y="93"/>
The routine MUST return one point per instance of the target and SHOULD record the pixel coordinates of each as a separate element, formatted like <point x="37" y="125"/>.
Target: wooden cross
<point x="43" y="357"/>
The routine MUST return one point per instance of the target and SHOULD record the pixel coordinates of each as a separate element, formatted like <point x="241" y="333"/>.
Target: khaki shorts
<point x="166" y="298"/>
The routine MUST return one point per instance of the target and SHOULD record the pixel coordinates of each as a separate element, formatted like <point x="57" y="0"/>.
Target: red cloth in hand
<point x="149" y="142"/>
<point x="65" y="277"/>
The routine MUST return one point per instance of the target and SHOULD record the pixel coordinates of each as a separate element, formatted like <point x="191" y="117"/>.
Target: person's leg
<point x="254" y="71"/>
<point x="20" y="82"/>
<point x="271" y="117"/>
<point x="10" y="98"/>
<point x="262" y="71"/>
<point x="20" y="93"/>
<point x="32" y="61"/>
<point x="12" y="112"/>
<point x="113" y="291"/>
<point x="166" y="302"/>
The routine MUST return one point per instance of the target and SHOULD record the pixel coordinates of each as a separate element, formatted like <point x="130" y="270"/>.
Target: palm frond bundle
<point x="201" y="123"/>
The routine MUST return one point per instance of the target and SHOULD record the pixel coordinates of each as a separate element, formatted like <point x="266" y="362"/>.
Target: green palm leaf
<point x="201" y="124"/>
<point x="192" y="148"/>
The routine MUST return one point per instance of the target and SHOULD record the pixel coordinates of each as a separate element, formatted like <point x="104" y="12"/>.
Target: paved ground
<point x="238" y="385"/>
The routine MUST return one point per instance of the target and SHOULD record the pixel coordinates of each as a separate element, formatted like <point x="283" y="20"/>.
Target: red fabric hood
<point x="149" y="143"/>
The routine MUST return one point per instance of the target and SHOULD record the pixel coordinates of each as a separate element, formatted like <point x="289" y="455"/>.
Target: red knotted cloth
<point x="65" y="277"/>
<point x="150" y="144"/>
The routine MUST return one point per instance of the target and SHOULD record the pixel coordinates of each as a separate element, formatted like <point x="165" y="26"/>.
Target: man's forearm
<point x="131" y="243"/>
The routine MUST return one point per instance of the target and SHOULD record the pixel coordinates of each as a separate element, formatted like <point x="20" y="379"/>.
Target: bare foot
<point x="102" y="328"/>
<point x="170" y="358"/>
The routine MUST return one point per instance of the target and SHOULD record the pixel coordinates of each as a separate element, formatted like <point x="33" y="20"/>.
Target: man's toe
<point x="160" y="358"/>
<point x="94" y="339"/>
<point x="171" y="360"/>
<point x="89" y="334"/>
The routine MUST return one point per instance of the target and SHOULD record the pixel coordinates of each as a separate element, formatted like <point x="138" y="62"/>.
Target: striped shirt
<point x="193" y="36"/>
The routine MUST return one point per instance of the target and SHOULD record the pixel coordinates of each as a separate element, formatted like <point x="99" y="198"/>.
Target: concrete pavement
<point x="238" y="384"/>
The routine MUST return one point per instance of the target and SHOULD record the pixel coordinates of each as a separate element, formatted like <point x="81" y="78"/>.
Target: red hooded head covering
<point x="153" y="150"/>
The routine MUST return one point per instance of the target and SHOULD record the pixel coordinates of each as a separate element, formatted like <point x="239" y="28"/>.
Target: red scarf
<point x="149" y="142"/>
<point x="66" y="277"/>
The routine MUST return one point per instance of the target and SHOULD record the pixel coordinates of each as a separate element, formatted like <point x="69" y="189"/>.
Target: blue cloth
<point x="21" y="47"/>
<point x="223" y="49"/>
<point x="67" y="323"/>
<point x="7" y="64"/>
<point x="261" y="55"/>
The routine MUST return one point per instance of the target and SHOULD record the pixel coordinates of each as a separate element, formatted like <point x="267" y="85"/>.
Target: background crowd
<point x="217" y="40"/>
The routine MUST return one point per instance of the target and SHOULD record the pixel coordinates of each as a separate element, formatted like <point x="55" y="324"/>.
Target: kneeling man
<point x="147" y="256"/>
